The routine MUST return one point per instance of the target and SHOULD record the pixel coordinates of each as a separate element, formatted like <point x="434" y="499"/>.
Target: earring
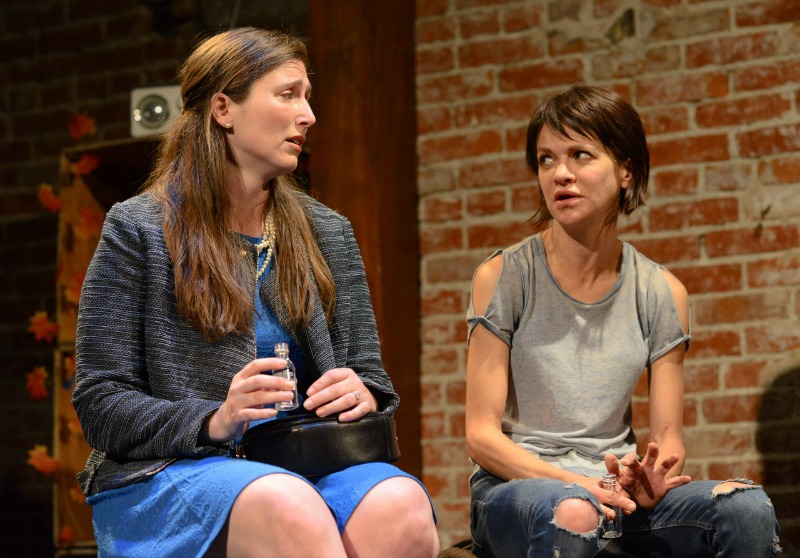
<point x="229" y="125"/>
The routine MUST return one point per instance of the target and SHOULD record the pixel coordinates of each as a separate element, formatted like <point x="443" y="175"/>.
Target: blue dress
<point x="180" y="510"/>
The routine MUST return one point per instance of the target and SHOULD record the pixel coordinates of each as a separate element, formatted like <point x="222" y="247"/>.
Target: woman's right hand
<point x="250" y="391"/>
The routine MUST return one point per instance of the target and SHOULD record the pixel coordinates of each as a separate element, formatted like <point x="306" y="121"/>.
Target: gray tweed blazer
<point x="146" y="381"/>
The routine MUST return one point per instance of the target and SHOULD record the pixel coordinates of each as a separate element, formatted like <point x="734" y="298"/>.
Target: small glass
<point x="612" y="527"/>
<point x="288" y="373"/>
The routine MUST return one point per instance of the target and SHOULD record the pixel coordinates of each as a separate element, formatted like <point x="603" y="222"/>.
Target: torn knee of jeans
<point x="585" y="497"/>
<point x="588" y="536"/>
<point x="732" y="485"/>
<point x="590" y="533"/>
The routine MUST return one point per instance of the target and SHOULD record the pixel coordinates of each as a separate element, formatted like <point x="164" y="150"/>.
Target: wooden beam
<point x="362" y="162"/>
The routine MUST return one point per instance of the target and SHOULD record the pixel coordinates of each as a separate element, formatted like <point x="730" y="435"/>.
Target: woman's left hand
<point x="646" y="481"/>
<point x="340" y="390"/>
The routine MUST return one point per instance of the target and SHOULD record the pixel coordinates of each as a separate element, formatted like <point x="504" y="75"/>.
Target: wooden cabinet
<point x="121" y="169"/>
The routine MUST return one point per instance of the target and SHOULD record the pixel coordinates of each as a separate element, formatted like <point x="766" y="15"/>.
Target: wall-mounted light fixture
<point x="153" y="108"/>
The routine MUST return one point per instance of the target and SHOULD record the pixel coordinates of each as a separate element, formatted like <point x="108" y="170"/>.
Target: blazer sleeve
<point x="114" y="385"/>
<point x="363" y="349"/>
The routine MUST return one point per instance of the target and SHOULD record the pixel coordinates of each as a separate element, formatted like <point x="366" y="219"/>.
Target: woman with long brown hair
<point x="193" y="283"/>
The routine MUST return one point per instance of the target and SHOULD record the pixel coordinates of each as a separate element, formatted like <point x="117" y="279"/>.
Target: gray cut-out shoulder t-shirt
<point x="574" y="366"/>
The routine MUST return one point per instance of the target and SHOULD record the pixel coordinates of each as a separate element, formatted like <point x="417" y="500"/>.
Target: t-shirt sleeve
<point x="505" y="305"/>
<point x="664" y="323"/>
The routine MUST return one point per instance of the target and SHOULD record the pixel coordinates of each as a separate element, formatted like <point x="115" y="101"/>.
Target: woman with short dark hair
<point x="561" y="327"/>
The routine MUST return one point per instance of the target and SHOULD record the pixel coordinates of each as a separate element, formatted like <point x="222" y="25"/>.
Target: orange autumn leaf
<point x="48" y="199"/>
<point x="86" y="164"/>
<point x="90" y="224"/>
<point x="68" y="372"/>
<point x="72" y="292"/>
<point x="81" y="125"/>
<point x="67" y="536"/>
<point x="36" y="383"/>
<point x="74" y="426"/>
<point x="41" y="461"/>
<point x="69" y="366"/>
<point x="42" y="328"/>
<point x="76" y="495"/>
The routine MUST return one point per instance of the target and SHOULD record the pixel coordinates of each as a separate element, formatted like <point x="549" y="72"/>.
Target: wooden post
<point x="362" y="162"/>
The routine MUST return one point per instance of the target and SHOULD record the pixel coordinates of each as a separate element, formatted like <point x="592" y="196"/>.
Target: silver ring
<point x="357" y="394"/>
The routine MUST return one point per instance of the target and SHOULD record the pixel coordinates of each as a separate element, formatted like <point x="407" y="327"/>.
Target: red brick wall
<point x="717" y="84"/>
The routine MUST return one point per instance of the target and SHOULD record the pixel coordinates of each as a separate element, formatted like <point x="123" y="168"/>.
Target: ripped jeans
<point x="515" y="519"/>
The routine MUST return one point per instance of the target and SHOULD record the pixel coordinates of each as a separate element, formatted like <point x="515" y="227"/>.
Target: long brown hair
<point x="211" y="283"/>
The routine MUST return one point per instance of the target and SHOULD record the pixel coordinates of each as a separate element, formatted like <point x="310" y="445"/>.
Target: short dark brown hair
<point x="604" y="115"/>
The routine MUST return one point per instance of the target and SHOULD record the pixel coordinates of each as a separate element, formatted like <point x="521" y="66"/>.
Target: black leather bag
<point x="313" y="446"/>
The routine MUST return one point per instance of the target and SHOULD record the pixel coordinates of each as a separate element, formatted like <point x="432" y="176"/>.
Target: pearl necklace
<point x="267" y="241"/>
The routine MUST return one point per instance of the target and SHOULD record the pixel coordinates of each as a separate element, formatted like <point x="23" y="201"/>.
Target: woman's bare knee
<point x="279" y="515"/>
<point x="576" y="515"/>
<point x="399" y="509"/>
